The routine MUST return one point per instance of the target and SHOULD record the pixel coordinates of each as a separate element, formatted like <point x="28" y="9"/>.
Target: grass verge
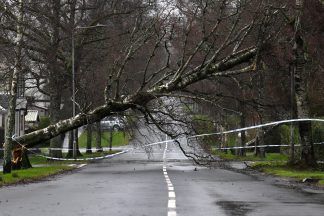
<point x="281" y="169"/>
<point x="32" y="174"/>
<point x="251" y="157"/>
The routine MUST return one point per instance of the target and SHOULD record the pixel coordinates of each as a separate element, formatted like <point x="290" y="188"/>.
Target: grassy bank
<point x="251" y="157"/>
<point x="33" y="174"/>
<point x="282" y="170"/>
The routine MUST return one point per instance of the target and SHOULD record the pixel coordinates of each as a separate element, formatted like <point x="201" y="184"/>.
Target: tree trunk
<point x="241" y="151"/>
<point x="56" y="142"/>
<point x="76" y="139"/>
<point x="129" y="102"/>
<point x="89" y="138"/>
<point x="260" y="151"/>
<point x="292" y="157"/>
<point x="98" y="137"/>
<point x="25" y="163"/>
<point x="259" y="142"/>
<point x="301" y="83"/>
<point x="55" y="81"/>
<point x="10" y="126"/>
<point x="70" y="151"/>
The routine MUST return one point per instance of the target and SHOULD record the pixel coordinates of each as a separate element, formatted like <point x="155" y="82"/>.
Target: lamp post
<point x="73" y="79"/>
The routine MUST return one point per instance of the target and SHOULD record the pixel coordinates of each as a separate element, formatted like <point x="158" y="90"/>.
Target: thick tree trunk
<point x="56" y="142"/>
<point x="10" y="126"/>
<point x="260" y="151"/>
<point x="98" y="137"/>
<point x="70" y="151"/>
<point x="55" y="81"/>
<point x="25" y="163"/>
<point x="134" y="101"/>
<point x="292" y="157"/>
<point x="260" y="142"/>
<point x="89" y="138"/>
<point x="76" y="140"/>
<point x="241" y="151"/>
<point x="301" y="85"/>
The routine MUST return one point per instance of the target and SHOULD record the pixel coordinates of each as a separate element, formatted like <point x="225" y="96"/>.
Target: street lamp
<point x="73" y="79"/>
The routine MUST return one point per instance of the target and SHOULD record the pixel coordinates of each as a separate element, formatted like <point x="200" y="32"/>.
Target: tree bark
<point x="56" y="142"/>
<point x="301" y="84"/>
<point x="25" y="163"/>
<point x="70" y="151"/>
<point x="260" y="151"/>
<point x="89" y="138"/>
<point x="292" y="157"/>
<point x="55" y="81"/>
<point x="98" y="137"/>
<point x="76" y="140"/>
<point x="259" y="142"/>
<point x="242" y="125"/>
<point x="10" y="126"/>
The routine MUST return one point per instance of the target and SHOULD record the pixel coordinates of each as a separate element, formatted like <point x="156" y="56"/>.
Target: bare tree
<point x="149" y="55"/>
<point x="301" y="95"/>
<point x="10" y="126"/>
<point x="157" y="31"/>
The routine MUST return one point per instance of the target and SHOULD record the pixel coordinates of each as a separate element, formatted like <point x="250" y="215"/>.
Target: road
<point x="163" y="184"/>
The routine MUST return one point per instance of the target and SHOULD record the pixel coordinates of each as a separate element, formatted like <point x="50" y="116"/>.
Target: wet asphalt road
<point x="133" y="184"/>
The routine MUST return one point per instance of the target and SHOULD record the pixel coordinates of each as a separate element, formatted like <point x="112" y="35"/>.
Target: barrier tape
<point x="258" y="126"/>
<point x="262" y="146"/>
<point x="67" y="149"/>
<point x="83" y="159"/>
<point x="171" y="140"/>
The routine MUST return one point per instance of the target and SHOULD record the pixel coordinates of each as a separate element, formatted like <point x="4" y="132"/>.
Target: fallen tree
<point x="163" y="52"/>
<point x="137" y="100"/>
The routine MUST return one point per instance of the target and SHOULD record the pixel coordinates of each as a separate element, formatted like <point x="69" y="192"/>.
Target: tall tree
<point x="160" y="54"/>
<point x="301" y="89"/>
<point x="10" y="126"/>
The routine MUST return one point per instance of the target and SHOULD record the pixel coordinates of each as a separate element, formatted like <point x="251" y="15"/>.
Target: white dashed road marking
<point x="172" y="196"/>
<point x="172" y="213"/>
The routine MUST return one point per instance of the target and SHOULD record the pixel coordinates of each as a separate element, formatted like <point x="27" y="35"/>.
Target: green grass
<point x="321" y="182"/>
<point x="283" y="170"/>
<point x="32" y="174"/>
<point x="119" y="139"/>
<point x="251" y="157"/>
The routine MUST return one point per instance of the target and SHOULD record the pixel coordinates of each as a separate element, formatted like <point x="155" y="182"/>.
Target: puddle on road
<point x="235" y="208"/>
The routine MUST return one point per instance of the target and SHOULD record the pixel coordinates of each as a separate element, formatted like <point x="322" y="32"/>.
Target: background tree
<point x="152" y="53"/>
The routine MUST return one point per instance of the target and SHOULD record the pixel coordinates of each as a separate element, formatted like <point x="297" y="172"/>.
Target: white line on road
<point x="171" y="194"/>
<point x="172" y="213"/>
<point x="172" y="204"/>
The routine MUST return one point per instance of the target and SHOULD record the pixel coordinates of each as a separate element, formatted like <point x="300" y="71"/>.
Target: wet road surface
<point x="134" y="184"/>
